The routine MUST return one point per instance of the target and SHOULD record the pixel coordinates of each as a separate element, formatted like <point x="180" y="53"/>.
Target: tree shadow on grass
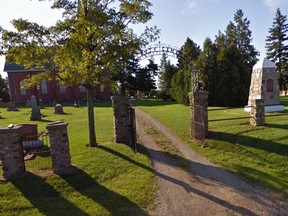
<point x="44" y="197"/>
<point x="158" y="155"/>
<point x="115" y="203"/>
<point x="242" y="140"/>
<point x="249" y="172"/>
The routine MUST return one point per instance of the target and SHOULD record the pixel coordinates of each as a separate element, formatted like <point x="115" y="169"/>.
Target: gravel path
<point x="207" y="189"/>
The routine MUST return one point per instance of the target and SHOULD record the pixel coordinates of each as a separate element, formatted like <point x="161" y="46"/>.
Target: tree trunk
<point x="122" y="89"/>
<point x="91" y="123"/>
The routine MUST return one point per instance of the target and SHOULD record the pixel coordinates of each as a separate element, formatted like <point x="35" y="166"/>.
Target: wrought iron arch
<point x="160" y="49"/>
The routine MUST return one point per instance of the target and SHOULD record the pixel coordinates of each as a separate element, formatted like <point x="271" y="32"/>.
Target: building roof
<point x="12" y="67"/>
<point x="264" y="63"/>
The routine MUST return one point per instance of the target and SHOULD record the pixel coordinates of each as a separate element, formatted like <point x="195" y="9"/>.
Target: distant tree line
<point x="225" y="64"/>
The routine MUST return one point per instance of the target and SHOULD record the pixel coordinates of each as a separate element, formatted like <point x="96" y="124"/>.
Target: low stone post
<point x="60" y="153"/>
<point x="198" y="115"/>
<point x="11" y="152"/>
<point x="257" y="113"/>
<point x="124" y="124"/>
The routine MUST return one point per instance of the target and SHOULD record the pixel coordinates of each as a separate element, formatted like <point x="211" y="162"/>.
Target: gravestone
<point x="76" y="104"/>
<point x="35" y="115"/>
<point x="11" y="106"/>
<point x="28" y="104"/>
<point x="41" y="104"/>
<point x="58" y="109"/>
<point x="264" y="85"/>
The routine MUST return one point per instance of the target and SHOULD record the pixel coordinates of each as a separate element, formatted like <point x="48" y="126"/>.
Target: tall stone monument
<point x="264" y="85"/>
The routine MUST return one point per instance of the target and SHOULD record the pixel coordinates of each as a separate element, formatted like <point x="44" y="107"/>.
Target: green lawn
<point x="258" y="154"/>
<point x="110" y="180"/>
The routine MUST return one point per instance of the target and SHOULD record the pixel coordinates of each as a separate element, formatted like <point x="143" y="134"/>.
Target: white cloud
<point x="191" y="5"/>
<point x="273" y="4"/>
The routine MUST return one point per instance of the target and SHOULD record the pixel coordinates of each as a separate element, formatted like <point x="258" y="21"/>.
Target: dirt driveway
<point x="203" y="188"/>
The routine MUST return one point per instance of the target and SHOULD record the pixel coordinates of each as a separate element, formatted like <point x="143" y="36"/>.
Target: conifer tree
<point x="181" y="82"/>
<point x="277" y="48"/>
<point x="166" y="73"/>
<point x="207" y="66"/>
<point x="4" y="92"/>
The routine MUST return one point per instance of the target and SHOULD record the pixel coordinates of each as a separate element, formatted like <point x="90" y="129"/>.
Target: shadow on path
<point x="187" y="187"/>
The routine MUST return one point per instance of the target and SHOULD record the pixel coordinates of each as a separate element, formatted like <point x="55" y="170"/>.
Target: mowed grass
<point x="257" y="154"/>
<point x="109" y="180"/>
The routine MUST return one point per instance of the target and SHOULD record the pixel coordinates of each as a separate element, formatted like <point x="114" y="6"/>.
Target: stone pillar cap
<point x="56" y="124"/>
<point x="9" y="129"/>
<point x="264" y="63"/>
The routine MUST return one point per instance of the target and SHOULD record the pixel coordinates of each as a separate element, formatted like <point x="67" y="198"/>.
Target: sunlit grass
<point x="109" y="180"/>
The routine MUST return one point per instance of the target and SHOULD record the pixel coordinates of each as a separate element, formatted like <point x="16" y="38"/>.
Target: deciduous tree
<point x="85" y="44"/>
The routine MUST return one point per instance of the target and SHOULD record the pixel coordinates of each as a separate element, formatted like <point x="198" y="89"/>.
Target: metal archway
<point x="160" y="49"/>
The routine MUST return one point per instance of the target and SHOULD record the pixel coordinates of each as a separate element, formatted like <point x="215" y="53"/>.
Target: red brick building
<point x="48" y="91"/>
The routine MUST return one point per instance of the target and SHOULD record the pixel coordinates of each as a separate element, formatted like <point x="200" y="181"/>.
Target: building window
<point x="44" y="87"/>
<point x="269" y="85"/>
<point x="62" y="89"/>
<point x="82" y="88"/>
<point x="22" y="90"/>
<point x="102" y="88"/>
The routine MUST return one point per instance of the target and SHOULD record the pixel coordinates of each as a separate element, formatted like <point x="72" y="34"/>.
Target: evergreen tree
<point x="167" y="71"/>
<point x="181" y="82"/>
<point x="277" y="48"/>
<point x="4" y="91"/>
<point x="207" y="66"/>
<point x="226" y="65"/>
<point x="243" y="36"/>
<point x="145" y="78"/>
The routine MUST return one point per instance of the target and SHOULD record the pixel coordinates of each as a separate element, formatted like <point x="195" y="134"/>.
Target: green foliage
<point x="225" y="66"/>
<point x="257" y="154"/>
<point x="145" y="78"/>
<point x="166" y="73"/>
<point x="277" y="48"/>
<point x="86" y="46"/>
<point x="181" y="82"/>
<point x="4" y="92"/>
<point x="137" y="78"/>
<point x="110" y="180"/>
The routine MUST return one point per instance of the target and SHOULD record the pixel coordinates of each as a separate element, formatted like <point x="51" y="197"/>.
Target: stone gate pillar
<point x="11" y="152"/>
<point x="60" y="153"/>
<point x="124" y="121"/>
<point x="198" y="115"/>
<point x="257" y="113"/>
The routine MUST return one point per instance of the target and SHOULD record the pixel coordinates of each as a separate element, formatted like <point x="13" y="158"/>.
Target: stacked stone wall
<point x="11" y="152"/>
<point x="257" y="114"/>
<point x="124" y="121"/>
<point x="60" y="153"/>
<point x="198" y="115"/>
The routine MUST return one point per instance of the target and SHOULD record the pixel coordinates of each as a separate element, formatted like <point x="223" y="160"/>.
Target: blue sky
<point x="177" y="19"/>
